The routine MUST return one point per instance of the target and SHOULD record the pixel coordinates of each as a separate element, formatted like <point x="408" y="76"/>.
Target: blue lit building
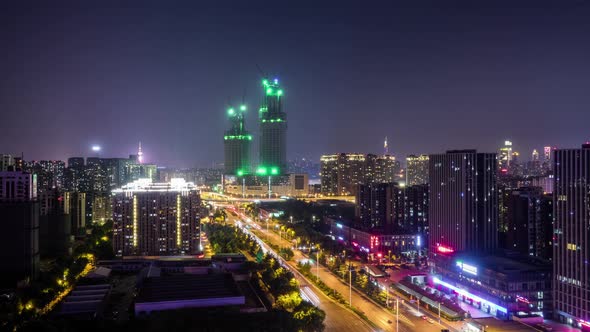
<point x="498" y="285"/>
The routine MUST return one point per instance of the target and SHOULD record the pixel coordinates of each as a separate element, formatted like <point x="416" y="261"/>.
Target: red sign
<point x="445" y="250"/>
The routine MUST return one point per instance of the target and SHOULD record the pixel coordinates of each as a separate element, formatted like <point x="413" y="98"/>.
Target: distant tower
<point x="385" y="147"/>
<point x="237" y="144"/>
<point x="273" y="130"/>
<point x="140" y="154"/>
<point x="535" y="156"/>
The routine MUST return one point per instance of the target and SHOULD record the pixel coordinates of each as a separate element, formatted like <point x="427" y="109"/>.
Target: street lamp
<point x="439" y="312"/>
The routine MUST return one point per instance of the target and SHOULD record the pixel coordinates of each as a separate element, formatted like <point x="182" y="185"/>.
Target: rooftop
<point x="187" y="287"/>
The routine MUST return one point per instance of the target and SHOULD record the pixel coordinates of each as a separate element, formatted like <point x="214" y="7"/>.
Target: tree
<point x="309" y="317"/>
<point x="288" y="301"/>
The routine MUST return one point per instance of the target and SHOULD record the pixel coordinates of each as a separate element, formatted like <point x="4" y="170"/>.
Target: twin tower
<point x="273" y="136"/>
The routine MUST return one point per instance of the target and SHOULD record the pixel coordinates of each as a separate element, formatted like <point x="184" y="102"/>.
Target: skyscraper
<point x="571" y="248"/>
<point x="505" y="157"/>
<point x="273" y="130"/>
<point x="416" y="170"/>
<point x="237" y="144"/>
<point x="156" y="218"/>
<point x="379" y="206"/>
<point x="463" y="202"/>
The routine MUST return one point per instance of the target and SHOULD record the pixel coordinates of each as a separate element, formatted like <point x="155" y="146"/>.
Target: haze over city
<point x="428" y="75"/>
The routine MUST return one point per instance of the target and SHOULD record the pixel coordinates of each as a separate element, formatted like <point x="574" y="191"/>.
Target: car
<point x="430" y="320"/>
<point x="424" y="317"/>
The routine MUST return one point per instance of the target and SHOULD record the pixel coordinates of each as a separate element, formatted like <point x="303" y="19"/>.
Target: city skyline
<point x="115" y="76"/>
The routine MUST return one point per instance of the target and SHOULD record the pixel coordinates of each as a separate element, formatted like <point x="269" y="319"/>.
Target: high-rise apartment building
<point x="463" y="202"/>
<point x="416" y="170"/>
<point x="571" y="249"/>
<point x="379" y="207"/>
<point x="19" y="239"/>
<point x="156" y="218"/>
<point x="529" y="219"/>
<point x="236" y="142"/>
<point x="342" y="173"/>
<point x="6" y="161"/>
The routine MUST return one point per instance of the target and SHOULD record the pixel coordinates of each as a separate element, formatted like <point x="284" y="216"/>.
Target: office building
<point x="156" y="219"/>
<point x="236" y="142"/>
<point x="273" y="129"/>
<point x="529" y="219"/>
<point x="463" y="202"/>
<point x="499" y="285"/>
<point x="571" y="250"/>
<point x="19" y="239"/>
<point x="416" y="170"/>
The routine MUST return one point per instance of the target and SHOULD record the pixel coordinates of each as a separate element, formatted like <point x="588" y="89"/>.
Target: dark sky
<point x="435" y="76"/>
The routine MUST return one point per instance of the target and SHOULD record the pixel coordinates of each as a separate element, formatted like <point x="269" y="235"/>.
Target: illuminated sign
<point x="522" y="299"/>
<point x="445" y="250"/>
<point x="467" y="268"/>
<point x="339" y="225"/>
<point x="418" y="241"/>
<point x="469" y="295"/>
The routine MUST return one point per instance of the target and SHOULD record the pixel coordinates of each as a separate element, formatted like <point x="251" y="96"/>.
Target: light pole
<point x="350" y="285"/>
<point x="318" y="265"/>
<point x="439" y="312"/>
<point x="397" y="314"/>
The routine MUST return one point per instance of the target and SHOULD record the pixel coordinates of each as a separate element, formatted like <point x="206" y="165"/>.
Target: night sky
<point x="437" y="76"/>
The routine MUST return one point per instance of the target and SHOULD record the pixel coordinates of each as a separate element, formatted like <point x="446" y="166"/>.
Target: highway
<point x="409" y="318"/>
<point x="338" y="318"/>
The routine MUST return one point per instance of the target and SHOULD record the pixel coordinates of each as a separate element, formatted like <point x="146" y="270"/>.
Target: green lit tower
<point x="237" y="144"/>
<point x="273" y="131"/>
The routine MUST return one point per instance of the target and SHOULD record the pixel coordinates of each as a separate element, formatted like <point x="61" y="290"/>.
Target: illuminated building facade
<point x="498" y="285"/>
<point x="375" y="244"/>
<point x="505" y="157"/>
<point x="341" y="173"/>
<point x="156" y="219"/>
<point x="571" y="250"/>
<point x="236" y="142"/>
<point x="416" y="170"/>
<point x="463" y="202"/>
<point x="273" y="130"/>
